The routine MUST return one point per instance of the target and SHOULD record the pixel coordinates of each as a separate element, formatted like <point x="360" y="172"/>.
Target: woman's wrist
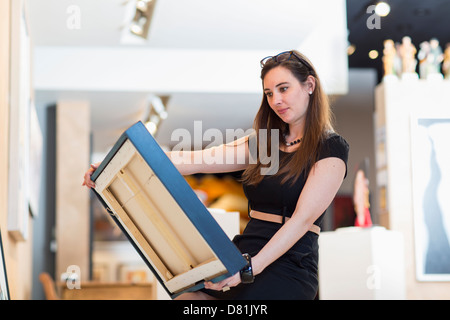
<point x="257" y="265"/>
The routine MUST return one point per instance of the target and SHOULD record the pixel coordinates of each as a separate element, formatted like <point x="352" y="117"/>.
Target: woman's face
<point x="287" y="97"/>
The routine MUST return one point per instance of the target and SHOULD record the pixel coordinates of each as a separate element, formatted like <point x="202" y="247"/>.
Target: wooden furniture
<point x="97" y="290"/>
<point x="109" y="291"/>
<point x="49" y="286"/>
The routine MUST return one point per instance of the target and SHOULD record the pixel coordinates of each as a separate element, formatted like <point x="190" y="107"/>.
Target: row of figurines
<point x="402" y="58"/>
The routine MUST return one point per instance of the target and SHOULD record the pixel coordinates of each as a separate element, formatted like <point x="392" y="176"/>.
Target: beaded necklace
<point x="293" y="142"/>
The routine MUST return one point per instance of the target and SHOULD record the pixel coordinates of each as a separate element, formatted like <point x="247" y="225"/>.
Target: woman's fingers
<point x="87" y="176"/>
<point x="224" y="284"/>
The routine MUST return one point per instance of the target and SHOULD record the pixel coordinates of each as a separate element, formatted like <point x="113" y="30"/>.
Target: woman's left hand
<point x="229" y="282"/>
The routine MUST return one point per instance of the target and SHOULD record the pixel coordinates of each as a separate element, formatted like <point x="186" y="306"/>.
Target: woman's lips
<point x="283" y="110"/>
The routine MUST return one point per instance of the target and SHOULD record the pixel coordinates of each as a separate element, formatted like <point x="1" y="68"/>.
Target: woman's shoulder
<point x="334" y="145"/>
<point x="332" y="138"/>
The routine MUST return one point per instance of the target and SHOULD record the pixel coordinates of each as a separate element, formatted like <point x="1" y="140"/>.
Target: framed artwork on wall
<point x="4" y="289"/>
<point x="431" y="184"/>
<point x="19" y="129"/>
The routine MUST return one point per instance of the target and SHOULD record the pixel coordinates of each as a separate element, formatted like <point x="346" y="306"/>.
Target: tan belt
<point x="277" y="219"/>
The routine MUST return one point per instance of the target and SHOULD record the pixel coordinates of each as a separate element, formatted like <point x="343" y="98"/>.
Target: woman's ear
<point x="310" y="84"/>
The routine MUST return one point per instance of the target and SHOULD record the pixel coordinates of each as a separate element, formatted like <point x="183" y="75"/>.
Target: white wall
<point x="354" y="121"/>
<point x="400" y="102"/>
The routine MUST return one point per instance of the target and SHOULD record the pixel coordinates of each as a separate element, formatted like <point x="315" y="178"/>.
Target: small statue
<point x="389" y="55"/>
<point x="361" y="196"/>
<point x="446" y="63"/>
<point x="435" y="57"/>
<point x="423" y="57"/>
<point x="398" y="60"/>
<point x="407" y="53"/>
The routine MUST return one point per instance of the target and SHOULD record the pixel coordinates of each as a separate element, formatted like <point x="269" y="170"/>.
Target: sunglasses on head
<point x="285" y="56"/>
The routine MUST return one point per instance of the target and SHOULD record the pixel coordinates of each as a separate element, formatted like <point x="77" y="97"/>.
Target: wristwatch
<point x="247" y="271"/>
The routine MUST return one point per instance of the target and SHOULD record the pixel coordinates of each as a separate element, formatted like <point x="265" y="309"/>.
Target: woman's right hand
<point x="87" y="176"/>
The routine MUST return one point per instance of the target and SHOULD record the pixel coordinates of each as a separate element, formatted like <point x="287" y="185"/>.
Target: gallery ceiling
<point x="225" y="30"/>
<point x="202" y="55"/>
<point x="195" y="24"/>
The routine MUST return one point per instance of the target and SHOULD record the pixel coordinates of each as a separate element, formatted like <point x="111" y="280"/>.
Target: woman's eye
<point x="269" y="94"/>
<point x="283" y="89"/>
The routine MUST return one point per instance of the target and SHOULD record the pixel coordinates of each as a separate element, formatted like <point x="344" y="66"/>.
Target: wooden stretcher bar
<point x="163" y="232"/>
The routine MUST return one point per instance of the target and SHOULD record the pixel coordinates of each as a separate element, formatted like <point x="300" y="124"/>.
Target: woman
<point x="287" y="205"/>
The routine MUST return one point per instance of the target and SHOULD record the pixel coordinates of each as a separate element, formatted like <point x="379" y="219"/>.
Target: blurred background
<point x="78" y="73"/>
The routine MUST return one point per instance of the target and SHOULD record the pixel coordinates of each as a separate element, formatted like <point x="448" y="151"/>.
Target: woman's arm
<point x="322" y="184"/>
<point x="321" y="187"/>
<point x="228" y="157"/>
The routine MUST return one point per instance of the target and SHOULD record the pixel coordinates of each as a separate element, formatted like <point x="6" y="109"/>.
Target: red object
<point x="367" y="220"/>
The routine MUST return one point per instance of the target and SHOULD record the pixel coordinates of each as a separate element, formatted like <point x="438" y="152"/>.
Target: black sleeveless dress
<point x="293" y="276"/>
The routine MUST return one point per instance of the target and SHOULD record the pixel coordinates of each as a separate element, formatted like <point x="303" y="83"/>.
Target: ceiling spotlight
<point x="163" y="115"/>
<point x="151" y="127"/>
<point x="142" y="17"/>
<point x="136" y="29"/>
<point x="373" y="54"/>
<point x="142" y="5"/>
<point x="155" y="113"/>
<point x="382" y="9"/>
<point x="351" y="49"/>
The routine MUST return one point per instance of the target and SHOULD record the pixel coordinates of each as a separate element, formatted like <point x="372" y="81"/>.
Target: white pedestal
<point x="227" y="220"/>
<point x="361" y="263"/>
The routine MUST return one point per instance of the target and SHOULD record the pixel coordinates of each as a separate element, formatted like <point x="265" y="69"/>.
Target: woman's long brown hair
<point x="317" y="125"/>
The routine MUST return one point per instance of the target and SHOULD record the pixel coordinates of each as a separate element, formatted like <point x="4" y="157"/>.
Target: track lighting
<point x="156" y="113"/>
<point x="142" y="17"/>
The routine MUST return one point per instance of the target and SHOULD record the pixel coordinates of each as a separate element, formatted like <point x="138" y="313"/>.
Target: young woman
<point x="287" y="205"/>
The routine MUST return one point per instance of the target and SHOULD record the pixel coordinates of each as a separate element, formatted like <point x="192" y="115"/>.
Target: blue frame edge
<point x="185" y="197"/>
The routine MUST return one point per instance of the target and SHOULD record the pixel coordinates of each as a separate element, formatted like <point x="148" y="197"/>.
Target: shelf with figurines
<point x="401" y="60"/>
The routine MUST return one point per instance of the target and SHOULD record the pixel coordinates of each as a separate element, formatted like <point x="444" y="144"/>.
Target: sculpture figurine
<point x="407" y="53"/>
<point x="435" y="57"/>
<point x="361" y="196"/>
<point x="446" y="63"/>
<point x="389" y="56"/>
<point x="424" y="59"/>
<point x="397" y="60"/>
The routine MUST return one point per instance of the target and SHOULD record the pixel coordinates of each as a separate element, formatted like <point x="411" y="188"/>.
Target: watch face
<point x="247" y="271"/>
<point x="247" y="277"/>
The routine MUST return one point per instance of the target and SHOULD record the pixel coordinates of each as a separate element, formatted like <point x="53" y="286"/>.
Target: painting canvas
<point x="162" y="216"/>
<point x="4" y="290"/>
<point x="431" y="189"/>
